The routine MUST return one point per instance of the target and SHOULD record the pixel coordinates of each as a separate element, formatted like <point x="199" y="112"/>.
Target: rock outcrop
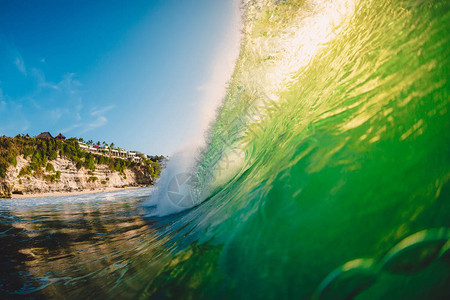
<point x="70" y="179"/>
<point x="5" y="190"/>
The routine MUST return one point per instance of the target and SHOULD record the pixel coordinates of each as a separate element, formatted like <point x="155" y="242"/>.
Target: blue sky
<point x="136" y="73"/>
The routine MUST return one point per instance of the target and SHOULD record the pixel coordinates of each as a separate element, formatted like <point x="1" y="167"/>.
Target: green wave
<point x="332" y="145"/>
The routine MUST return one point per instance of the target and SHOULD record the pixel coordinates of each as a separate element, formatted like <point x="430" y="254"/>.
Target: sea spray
<point x="174" y="191"/>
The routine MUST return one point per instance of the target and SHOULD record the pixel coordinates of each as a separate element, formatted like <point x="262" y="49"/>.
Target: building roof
<point x="60" y="137"/>
<point x="44" y="136"/>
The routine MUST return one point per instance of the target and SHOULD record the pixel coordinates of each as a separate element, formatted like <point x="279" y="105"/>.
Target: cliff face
<point x="71" y="179"/>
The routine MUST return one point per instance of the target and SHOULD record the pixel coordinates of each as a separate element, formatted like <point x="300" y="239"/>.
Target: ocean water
<point x="324" y="176"/>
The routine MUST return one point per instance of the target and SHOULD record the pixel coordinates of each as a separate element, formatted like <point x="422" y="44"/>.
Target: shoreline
<point x="63" y="193"/>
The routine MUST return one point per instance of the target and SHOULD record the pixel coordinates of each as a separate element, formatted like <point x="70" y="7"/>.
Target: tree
<point x="52" y="155"/>
<point x="112" y="145"/>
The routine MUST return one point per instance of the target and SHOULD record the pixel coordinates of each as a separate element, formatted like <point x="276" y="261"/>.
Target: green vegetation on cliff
<point x="41" y="152"/>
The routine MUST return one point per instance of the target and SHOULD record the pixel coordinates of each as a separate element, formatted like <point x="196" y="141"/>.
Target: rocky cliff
<point x="69" y="178"/>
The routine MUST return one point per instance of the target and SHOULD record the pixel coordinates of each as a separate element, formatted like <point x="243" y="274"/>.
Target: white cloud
<point x="101" y="111"/>
<point x="56" y="114"/>
<point x="69" y="84"/>
<point x="2" y="101"/>
<point x="12" y="116"/>
<point x="67" y="102"/>
<point x="99" y="122"/>
<point x="68" y="129"/>
<point x="42" y="82"/>
<point x="35" y="103"/>
<point x="98" y="119"/>
<point x="51" y="103"/>
<point x="20" y="64"/>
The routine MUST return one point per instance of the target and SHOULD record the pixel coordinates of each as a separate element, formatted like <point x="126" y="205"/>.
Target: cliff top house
<point x="44" y="136"/>
<point x="60" y="137"/>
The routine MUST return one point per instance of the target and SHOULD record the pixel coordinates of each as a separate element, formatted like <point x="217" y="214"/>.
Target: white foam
<point x="180" y="164"/>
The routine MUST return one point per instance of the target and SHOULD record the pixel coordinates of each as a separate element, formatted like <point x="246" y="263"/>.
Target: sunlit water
<point x="326" y="176"/>
<point x="73" y="246"/>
